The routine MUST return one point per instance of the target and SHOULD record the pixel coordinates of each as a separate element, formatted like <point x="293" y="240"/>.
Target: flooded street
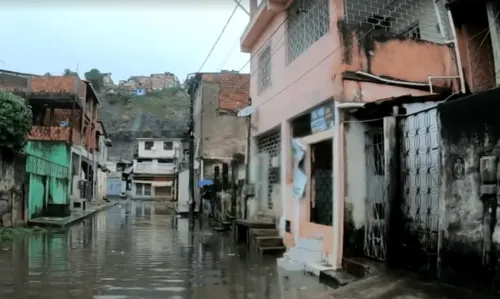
<point x="136" y="250"/>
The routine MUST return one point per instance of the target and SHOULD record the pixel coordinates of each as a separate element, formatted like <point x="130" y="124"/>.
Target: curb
<point x="50" y="223"/>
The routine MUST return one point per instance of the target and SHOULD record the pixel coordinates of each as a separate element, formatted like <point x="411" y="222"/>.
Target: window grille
<point x="307" y="22"/>
<point x="264" y="68"/>
<point x="415" y="19"/>
<point x="270" y="143"/>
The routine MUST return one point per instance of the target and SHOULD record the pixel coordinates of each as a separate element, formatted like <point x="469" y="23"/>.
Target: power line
<point x="220" y="35"/>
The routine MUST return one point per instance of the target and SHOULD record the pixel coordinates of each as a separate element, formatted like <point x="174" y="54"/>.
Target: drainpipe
<point x="338" y="203"/>
<point x="457" y="50"/>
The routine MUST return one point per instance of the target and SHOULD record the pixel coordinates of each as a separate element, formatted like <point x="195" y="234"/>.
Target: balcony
<point x="43" y="133"/>
<point x="395" y="44"/>
<point x="63" y="92"/>
<point x="154" y="168"/>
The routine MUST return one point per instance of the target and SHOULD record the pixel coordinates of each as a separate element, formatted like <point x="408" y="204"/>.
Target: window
<point x="138" y="189"/>
<point x="308" y="21"/>
<point x="148" y="145"/>
<point x="168" y="145"/>
<point x="142" y="189"/>
<point x="264" y="71"/>
<point x="147" y="189"/>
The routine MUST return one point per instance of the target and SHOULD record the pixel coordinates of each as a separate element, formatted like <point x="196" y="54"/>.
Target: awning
<point x="141" y="182"/>
<point x="162" y="183"/>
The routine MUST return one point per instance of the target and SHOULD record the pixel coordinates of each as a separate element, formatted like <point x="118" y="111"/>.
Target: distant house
<point x="140" y="91"/>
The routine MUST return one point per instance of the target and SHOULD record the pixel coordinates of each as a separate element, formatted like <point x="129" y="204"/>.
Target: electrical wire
<point x="220" y="35"/>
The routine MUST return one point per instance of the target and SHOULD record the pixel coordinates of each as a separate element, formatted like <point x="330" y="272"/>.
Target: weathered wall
<point x="13" y="189"/>
<point x="222" y="132"/>
<point x="355" y="189"/>
<point x="48" y="166"/>
<point x="469" y="221"/>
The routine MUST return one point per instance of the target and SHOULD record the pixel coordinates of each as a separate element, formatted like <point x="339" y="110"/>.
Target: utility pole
<point x="191" y="149"/>
<point x="247" y="168"/>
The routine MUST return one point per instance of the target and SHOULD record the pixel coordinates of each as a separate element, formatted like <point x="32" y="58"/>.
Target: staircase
<point x="267" y="240"/>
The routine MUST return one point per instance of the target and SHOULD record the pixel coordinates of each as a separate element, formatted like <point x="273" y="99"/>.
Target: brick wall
<point x="222" y="132"/>
<point x="399" y="16"/>
<point x="65" y="84"/>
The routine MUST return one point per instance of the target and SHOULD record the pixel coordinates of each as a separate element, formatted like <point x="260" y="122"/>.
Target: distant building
<point x="156" y="163"/>
<point x="140" y="91"/>
<point x="149" y="83"/>
<point x="107" y="80"/>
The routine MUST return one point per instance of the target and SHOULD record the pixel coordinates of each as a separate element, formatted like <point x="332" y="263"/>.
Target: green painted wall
<point x="36" y="196"/>
<point x="56" y="152"/>
<point x="48" y="166"/>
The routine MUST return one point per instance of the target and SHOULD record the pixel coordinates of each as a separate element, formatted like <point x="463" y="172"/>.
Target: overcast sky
<point x="127" y="37"/>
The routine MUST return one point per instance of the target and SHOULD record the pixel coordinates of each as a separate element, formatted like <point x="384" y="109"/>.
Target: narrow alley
<point x="132" y="251"/>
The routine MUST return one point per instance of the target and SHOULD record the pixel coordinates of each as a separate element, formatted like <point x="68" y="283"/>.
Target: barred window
<point x="270" y="143"/>
<point x="416" y="19"/>
<point x="264" y="68"/>
<point x="308" y="21"/>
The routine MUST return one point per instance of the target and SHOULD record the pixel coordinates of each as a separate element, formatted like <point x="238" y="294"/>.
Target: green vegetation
<point x="95" y="77"/>
<point x="162" y="103"/>
<point x="9" y="234"/>
<point x="15" y="122"/>
<point x="68" y="72"/>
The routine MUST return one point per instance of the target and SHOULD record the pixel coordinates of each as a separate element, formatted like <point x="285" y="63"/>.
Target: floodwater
<point x="136" y="250"/>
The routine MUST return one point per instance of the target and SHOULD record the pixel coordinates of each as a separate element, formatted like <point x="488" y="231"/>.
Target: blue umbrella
<point x="204" y="183"/>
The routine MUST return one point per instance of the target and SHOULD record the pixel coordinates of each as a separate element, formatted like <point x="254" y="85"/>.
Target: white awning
<point x="142" y="182"/>
<point x="162" y="183"/>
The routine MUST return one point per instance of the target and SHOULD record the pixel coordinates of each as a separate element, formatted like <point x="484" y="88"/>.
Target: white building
<point x="101" y="158"/>
<point x="155" y="166"/>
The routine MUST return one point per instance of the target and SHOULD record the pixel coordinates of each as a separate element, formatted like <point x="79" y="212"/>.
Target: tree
<point x="47" y="74"/>
<point x="15" y="122"/>
<point x="68" y="72"/>
<point x="96" y="78"/>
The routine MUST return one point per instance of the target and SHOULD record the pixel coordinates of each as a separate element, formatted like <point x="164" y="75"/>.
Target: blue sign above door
<point x="322" y="118"/>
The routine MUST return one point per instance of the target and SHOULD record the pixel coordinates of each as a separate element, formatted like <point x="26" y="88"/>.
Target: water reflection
<point x="131" y="251"/>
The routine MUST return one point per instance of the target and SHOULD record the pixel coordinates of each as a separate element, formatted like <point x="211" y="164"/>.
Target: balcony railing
<point x="154" y="168"/>
<point x="44" y="133"/>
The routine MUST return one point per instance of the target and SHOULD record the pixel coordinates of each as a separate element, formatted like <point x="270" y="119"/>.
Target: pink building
<point x="313" y="63"/>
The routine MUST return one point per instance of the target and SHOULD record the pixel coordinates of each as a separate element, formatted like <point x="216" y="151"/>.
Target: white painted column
<point x="285" y="158"/>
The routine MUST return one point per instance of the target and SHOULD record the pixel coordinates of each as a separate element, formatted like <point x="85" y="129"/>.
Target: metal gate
<point x="376" y="195"/>
<point x="420" y="164"/>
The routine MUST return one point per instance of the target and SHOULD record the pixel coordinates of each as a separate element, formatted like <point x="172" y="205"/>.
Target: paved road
<point x="134" y="250"/>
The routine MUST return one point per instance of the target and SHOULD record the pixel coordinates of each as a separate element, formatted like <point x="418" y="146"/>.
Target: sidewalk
<point x="75" y="216"/>
<point x="392" y="286"/>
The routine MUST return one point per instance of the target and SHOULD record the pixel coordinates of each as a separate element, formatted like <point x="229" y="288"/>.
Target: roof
<point x="91" y="87"/>
<point x="383" y="107"/>
<point x="17" y="73"/>
<point x="101" y="124"/>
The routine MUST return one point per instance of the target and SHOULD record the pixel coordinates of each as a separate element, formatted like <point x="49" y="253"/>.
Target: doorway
<point x="322" y="182"/>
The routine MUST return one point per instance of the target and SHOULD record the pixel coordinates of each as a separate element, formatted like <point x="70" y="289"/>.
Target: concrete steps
<point x="271" y="249"/>
<point x="262" y="232"/>
<point x="267" y="240"/>
<point x="336" y="279"/>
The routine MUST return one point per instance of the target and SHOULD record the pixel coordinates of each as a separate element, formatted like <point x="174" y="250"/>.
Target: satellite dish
<point x="247" y="111"/>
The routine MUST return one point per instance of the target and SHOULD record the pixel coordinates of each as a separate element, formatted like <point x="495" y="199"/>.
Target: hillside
<point x="160" y="114"/>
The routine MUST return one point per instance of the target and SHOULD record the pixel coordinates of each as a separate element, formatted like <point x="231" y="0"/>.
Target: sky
<point x="125" y="38"/>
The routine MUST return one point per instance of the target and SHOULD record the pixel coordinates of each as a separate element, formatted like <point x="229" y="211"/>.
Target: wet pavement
<point x="138" y="250"/>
